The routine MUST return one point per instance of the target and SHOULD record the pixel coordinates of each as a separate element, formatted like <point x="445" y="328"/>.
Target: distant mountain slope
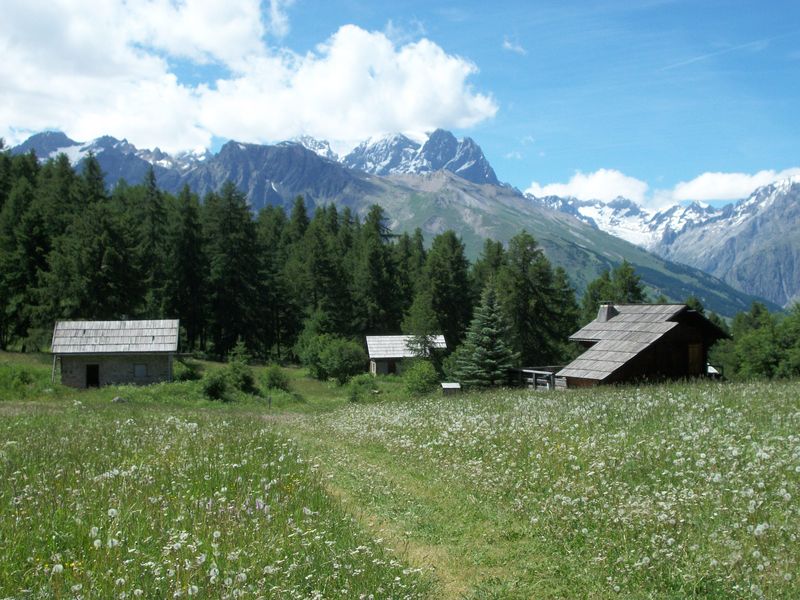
<point x="435" y="201"/>
<point x="753" y="245"/>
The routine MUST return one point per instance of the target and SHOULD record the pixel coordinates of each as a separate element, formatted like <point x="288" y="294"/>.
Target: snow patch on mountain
<point x="625" y="219"/>
<point x="397" y="154"/>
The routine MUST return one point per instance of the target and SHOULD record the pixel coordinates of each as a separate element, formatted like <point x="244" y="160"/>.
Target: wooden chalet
<point x="95" y="353"/>
<point x="386" y="352"/>
<point x="634" y="342"/>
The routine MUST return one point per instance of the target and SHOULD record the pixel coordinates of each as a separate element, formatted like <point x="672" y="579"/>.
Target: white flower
<point x="761" y="529"/>
<point x="97" y="543"/>
<point x="58" y="569"/>
<point x="112" y="512"/>
<point x="119" y="581"/>
<point x="94" y="531"/>
<point x="192" y="590"/>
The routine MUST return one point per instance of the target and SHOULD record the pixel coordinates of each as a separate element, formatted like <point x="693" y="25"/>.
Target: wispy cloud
<point x="513" y="46"/>
<point x="278" y="19"/>
<point x="514" y="155"/>
<point x="756" y="45"/>
<point x="403" y="33"/>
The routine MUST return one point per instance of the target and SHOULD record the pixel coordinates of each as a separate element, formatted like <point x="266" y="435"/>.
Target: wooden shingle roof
<point x="396" y="346"/>
<point x="632" y="329"/>
<point x="115" y="337"/>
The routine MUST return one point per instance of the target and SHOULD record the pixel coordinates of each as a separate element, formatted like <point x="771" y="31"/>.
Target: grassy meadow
<point x="674" y="491"/>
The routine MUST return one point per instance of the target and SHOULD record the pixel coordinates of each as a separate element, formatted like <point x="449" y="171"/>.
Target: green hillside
<point x="442" y="201"/>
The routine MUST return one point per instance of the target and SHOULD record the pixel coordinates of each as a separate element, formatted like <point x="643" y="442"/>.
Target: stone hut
<point x="387" y="352"/>
<point x="96" y="353"/>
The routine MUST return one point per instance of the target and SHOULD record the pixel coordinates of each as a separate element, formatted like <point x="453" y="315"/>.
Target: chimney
<point x="606" y="312"/>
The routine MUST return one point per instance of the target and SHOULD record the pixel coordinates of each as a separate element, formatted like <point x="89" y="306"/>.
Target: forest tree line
<point x="72" y="249"/>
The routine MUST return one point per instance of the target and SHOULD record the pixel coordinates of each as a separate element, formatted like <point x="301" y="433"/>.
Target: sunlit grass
<point x="668" y="491"/>
<point x="168" y="494"/>
<point x="659" y="492"/>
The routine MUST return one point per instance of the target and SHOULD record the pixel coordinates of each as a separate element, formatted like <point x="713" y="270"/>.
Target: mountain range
<point x="753" y="245"/>
<point x="442" y="183"/>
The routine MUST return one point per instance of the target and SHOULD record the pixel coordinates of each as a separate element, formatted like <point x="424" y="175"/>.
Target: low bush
<point x="215" y="385"/>
<point x="420" y="378"/>
<point x="341" y="359"/>
<point x="360" y="386"/>
<point x="183" y="370"/>
<point x="276" y="379"/>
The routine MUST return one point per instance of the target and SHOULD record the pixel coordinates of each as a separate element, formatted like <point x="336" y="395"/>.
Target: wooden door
<point x="696" y="359"/>
<point x="92" y="376"/>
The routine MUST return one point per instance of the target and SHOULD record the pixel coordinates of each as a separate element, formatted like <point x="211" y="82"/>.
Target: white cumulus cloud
<point x="608" y="184"/>
<point x="109" y="68"/>
<point x="603" y="184"/>
<point x="727" y="186"/>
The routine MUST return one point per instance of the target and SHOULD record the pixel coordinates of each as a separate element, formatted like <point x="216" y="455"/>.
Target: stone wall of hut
<point x="138" y="369"/>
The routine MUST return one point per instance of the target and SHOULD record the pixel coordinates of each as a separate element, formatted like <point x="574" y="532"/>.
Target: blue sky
<point x="658" y="100"/>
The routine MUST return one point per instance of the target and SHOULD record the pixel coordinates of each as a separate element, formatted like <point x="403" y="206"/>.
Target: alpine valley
<point x="727" y="258"/>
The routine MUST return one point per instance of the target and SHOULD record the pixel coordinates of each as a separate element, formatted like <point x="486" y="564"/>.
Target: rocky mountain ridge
<point x="433" y="200"/>
<point x="751" y="244"/>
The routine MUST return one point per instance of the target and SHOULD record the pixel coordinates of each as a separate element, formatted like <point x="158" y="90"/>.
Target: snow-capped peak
<point x="320" y="147"/>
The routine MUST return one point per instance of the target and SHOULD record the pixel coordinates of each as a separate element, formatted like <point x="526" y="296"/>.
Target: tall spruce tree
<point x="375" y="302"/>
<point x="486" y="358"/>
<point x="446" y="279"/>
<point x="233" y="270"/>
<point x="152" y="251"/>
<point x="186" y="268"/>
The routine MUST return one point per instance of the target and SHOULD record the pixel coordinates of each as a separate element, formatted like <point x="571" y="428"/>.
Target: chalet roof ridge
<point x="115" y="336"/>
<point x="396" y="345"/>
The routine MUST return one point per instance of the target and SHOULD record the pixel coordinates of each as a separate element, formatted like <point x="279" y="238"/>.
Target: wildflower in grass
<point x="761" y="529"/>
<point x="119" y="581"/>
<point x="58" y="569"/>
<point x="112" y="513"/>
<point x="97" y="543"/>
<point x="193" y="589"/>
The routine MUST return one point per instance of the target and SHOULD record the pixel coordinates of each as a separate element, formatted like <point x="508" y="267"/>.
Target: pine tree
<point x="486" y="358"/>
<point x="151" y="251"/>
<point x="92" y="272"/>
<point x="539" y="304"/>
<point x="187" y="265"/>
<point x="375" y="303"/>
<point x="232" y="282"/>
<point x="446" y="279"/>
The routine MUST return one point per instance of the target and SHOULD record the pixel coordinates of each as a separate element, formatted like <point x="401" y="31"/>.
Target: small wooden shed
<point x="632" y="342"/>
<point x="386" y="352"/>
<point x="96" y="353"/>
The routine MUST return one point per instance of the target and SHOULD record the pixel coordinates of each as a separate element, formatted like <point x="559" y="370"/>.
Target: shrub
<point x="185" y="371"/>
<point x="276" y="379"/>
<point x="239" y="374"/>
<point x="309" y="348"/>
<point x="215" y="385"/>
<point x="420" y="377"/>
<point x="341" y="358"/>
<point x="240" y="377"/>
<point x="359" y="386"/>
